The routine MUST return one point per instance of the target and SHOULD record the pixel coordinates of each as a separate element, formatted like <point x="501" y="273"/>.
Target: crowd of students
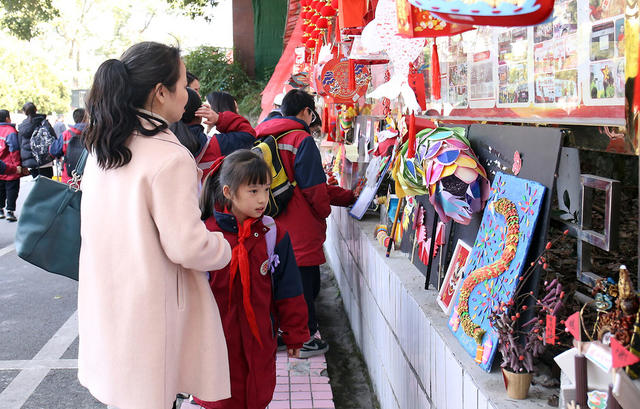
<point x="185" y="285"/>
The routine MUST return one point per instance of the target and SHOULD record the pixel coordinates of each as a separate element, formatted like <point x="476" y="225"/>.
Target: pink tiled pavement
<point x="300" y="384"/>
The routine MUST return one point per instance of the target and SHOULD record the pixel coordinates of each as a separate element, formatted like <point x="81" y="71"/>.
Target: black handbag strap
<point x="81" y="162"/>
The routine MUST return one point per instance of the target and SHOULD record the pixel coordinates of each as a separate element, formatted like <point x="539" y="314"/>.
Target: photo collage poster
<point x="574" y="59"/>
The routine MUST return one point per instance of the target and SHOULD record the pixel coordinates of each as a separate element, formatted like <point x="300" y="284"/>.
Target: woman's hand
<point x="210" y="116"/>
<point x="293" y="352"/>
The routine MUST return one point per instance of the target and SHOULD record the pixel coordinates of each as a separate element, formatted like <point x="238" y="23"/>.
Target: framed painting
<point x="453" y="278"/>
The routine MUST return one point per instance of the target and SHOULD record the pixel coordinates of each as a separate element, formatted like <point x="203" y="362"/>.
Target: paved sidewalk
<point x="300" y="383"/>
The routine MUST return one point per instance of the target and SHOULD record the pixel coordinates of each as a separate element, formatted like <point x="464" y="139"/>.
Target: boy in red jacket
<point x="10" y="155"/>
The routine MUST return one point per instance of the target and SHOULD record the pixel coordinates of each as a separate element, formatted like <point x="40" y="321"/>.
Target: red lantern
<point x="322" y="23"/>
<point x="488" y="12"/>
<point x="311" y="43"/>
<point x="328" y="11"/>
<point x="316" y="33"/>
<point x="414" y="22"/>
<point x="315" y="18"/>
<point x="334" y="4"/>
<point x="304" y="3"/>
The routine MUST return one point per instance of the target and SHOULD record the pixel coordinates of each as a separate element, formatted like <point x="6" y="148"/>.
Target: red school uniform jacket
<point x="235" y="133"/>
<point x="305" y="215"/>
<point x="277" y="301"/>
<point x="9" y="150"/>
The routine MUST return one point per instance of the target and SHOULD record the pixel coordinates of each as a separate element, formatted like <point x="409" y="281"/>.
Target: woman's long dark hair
<point x="242" y="167"/>
<point x="222" y="101"/>
<point x="119" y="88"/>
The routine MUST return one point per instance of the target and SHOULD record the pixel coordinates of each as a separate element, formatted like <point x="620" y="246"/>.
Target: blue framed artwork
<point x="495" y="263"/>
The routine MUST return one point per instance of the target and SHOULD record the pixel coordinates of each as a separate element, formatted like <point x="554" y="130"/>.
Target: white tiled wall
<point x="413" y="359"/>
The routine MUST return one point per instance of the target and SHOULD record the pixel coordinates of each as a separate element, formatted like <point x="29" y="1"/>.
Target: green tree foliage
<point x="216" y="73"/>
<point x="193" y="8"/>
<point x="27" y="77"/>
<point x="22" y="17"/>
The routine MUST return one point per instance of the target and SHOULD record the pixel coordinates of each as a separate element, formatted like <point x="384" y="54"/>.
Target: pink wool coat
<point x="149" y="325"/>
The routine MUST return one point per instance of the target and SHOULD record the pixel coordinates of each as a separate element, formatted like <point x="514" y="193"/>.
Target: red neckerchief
<point x="240" y="262"/>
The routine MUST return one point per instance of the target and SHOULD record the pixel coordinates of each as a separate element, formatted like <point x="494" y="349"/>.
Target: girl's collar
<point x="227" y="221"/>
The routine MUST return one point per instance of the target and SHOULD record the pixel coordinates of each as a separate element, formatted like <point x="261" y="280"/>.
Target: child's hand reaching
<point x="210" y="116"/>
<point x="293" y="352"/>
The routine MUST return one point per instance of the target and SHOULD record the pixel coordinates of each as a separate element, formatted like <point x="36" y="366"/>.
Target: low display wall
<point x="414" y="361"/>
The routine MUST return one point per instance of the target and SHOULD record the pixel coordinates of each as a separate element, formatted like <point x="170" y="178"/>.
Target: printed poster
<point x="513" y="54"/>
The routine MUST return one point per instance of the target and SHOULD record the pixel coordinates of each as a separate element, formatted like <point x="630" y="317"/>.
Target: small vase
<point x="517" y="384"/>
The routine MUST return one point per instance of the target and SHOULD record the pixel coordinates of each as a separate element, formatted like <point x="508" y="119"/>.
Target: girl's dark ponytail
<point x="112" y="118"/>
<point x="211" y="196"/>
<point x="120" y="88"/>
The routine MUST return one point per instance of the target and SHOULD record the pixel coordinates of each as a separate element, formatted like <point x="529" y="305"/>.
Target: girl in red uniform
<point x="261" y="289"/>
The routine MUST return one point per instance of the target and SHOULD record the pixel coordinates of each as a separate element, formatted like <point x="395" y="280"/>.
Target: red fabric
<point x="231" y="122"/>
<point x="66" y="137"/>
<point x="411" y="149"/>
<point x="339" y="196"/>
<point x="282" y="72"/>
<point x="351" y="12"/>
<point x="240" y="263"/>
<point x="227" y="122"/>
<point x="305" y="215"/>
<point x="416" y="82"/>
<point x="252" y="367"/>
<point x="435" y="72"/>
<point x="11" y="159"/>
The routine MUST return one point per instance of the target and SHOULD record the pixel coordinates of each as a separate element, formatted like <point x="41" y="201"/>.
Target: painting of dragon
<point x="495" y="263"/>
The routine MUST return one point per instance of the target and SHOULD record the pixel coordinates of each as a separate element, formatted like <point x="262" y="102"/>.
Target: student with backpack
<point x="10" y="155"/>
<point x="304" y="216"/>
<point x="235" y="131"/>
<point x="36" y="136"/>
<point x="260" y="290"/>
<point x="69" y="146"/>
<point x="148" y="324"/>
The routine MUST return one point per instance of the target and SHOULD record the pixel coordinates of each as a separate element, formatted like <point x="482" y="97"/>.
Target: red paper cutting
<point x="335" y="81"/>
<point x="621" y="356"/>
<point x="550" y="330"/>
<point x="573" y="325"/>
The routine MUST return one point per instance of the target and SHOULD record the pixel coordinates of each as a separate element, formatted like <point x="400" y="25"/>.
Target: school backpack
<point x="41" y="140"/>
<point x="281" y="188"/>
<point x="74" y="151"/>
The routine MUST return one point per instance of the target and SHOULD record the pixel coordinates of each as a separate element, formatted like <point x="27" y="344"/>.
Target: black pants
<point x="311" y="288"/>
<point x="9" y="193"/>
<point x="48" y="172"/>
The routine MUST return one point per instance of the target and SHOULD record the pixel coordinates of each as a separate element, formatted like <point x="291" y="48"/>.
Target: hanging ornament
<point x="351" y="13"/>
<point x="504" y="13"/>
<point x="414" y="22"/>
<point x="381" y="34"/>
<point x="335" y="81"/>
<point x="435" y="72"/>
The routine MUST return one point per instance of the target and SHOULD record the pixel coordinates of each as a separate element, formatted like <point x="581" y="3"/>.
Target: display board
<point x="568" y="70"/>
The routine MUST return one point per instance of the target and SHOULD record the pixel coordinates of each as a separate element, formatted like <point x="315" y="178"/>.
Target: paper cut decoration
<point x="414" y="22"/>
<point x="451" y="284"/>
<point x="423" y="241"/>
<point x="496" y="242"/>
<point x="597" y="399"/>
<point x="335" y="81"/>
<point x="489" y="12"/>
<point x="573" y="325"/>
<point x="621" y="356"/>
<point x="444" y="161"/>
<point x="381" y="34"/>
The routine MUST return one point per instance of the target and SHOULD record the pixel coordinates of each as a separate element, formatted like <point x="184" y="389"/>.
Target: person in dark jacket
<point x="9" y="154"/>
<point x="188" y="129"/>
<point x="58" y="149"/>
<point x="25" y="130"/>
<point x="305" y="215"/>
<point x="235" y="131"/>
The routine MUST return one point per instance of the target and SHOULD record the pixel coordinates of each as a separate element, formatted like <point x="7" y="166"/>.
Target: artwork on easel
<point x="453" y="278"/>
<point x="495" y="263"/>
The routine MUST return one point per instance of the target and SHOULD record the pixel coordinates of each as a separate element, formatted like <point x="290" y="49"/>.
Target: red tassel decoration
<point x="352" y="74"/>
<point x="325" y="119"/>
<point x="411" y="150"/>
<point x="435" y="72"/>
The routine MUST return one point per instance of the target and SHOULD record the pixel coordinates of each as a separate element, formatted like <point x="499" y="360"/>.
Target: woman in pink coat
<point x="149" y="325"/>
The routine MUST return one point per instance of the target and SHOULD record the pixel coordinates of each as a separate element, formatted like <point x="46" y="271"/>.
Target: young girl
<point x="261" y="289"/>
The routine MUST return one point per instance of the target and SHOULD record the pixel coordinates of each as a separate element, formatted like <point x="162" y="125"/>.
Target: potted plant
<point x="521" y="344"/>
